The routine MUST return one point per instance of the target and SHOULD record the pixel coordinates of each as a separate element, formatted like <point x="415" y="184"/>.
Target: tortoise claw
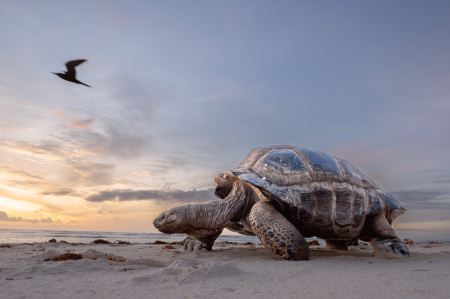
<point x="192" y="244"/>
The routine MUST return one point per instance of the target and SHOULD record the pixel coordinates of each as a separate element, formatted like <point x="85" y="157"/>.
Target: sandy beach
<point x="228" y="271"/>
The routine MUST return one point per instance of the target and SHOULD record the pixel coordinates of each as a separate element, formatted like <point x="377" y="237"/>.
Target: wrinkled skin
<point x="243" y="208"/>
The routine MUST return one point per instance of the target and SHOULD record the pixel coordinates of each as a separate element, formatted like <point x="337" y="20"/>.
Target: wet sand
<point x="228" y="271"/>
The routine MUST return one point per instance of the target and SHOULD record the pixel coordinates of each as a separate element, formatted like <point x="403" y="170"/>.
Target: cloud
<point x="441" y="179"/>
<point x="61" y="192"/>
<point x="111" y="142"/>
<point x="81" y="124"/>
<point x="155" y="195"/>
<point x="48" y="220"/>
<point x="167" y="164"/>
<point x="424" y="199"/>
<point x="19" y="172"/>
<point x="93" y="173"/>
<point x="5" y="217"/>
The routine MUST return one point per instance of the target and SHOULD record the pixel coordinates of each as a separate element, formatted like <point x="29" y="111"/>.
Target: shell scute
<point x="344" y="196"/>
<point x="359" y="206"/>
<point x="323" y="166"/>
<point x="283" y="167"/>
<point x="323" y="193"/>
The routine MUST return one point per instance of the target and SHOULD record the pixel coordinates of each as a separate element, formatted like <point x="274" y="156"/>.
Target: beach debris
<point x="101" y="241"/>
<point x="66" y="256"/>
<point x="122" y="242"/>
<point x="164" y="243"/>
<point x="91" y="253"/>
<point x="52" y="240"/>
<point x="5" y="246"/>
<point x="314" y="243"/>
<point x="408" y="241"/>
<point x="92" y="258"/>
<point x="160" y="242"/>
<point x="434" y="242"/>
<point x="29" y="277"/>
<point x="62" y="241"/>
<point x="248" y="243"/>
<point x="111" y="258"/>
<point x="9" y="278"/>
<point x="126" y="269"/>
<point x="169" y="247"/>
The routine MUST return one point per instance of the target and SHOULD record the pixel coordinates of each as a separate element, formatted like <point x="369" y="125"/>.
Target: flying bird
<point x="71" y="74"/>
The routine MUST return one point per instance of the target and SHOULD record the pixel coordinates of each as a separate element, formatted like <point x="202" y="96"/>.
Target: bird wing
<point x="71" y="66"/>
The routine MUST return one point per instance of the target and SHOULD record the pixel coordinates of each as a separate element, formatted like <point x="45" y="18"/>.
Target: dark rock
<point x="101" y="241"/>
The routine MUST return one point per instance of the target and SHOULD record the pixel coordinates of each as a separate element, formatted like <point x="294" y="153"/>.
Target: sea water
<point x="36" y="236"/>
<point x="33" y="236"/>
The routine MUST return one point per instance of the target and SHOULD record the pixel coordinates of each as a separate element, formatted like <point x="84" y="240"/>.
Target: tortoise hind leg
<point x="383" y="238"/>
<point x="337" y="244"/>
<point x="277" y="234"/>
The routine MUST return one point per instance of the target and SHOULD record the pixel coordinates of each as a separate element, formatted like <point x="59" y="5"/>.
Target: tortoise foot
<point x="391" y="248"/>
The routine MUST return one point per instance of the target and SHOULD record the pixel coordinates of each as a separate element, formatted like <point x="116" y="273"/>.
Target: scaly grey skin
<point x="245" y="203"/>
<point x="277" y="234"/>
<point x="282" y="194"/>
<point x="204" y="222"/>
<point x="383" y="238"/>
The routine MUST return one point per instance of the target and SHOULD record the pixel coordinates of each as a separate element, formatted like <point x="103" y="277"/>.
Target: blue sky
<point x="184" y="90"/>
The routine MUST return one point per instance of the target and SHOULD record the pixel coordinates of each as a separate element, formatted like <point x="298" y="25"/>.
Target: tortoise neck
<point x="217" y="214"/>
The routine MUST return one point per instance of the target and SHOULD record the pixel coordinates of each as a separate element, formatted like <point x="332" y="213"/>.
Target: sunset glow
<point x="179" y="94"/>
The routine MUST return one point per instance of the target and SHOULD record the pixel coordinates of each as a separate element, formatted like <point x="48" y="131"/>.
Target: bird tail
<point x="84" y="84"/>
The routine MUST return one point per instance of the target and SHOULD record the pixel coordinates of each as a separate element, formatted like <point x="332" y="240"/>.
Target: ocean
<point x="35" y="236"/>
<point x="32" y="236"/>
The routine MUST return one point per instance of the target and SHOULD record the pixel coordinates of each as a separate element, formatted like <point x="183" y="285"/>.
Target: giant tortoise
<point x="283" y="194"/>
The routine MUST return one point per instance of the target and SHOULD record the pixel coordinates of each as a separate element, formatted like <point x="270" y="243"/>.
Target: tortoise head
<point x="171" y="221"/>
<point x="224" y="183"/>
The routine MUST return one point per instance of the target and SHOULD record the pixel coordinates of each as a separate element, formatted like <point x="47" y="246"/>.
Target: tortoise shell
<point x="321" y="188"/>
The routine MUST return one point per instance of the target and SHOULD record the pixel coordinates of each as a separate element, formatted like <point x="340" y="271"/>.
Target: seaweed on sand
<point x="101" y="241"/>
<point x="66" y="256"/>
<point x="122" y="242"/>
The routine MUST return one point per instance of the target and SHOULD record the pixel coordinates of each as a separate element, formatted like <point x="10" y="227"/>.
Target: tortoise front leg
<point x="199" y="241"/>
<point x="277" y="234"/>
<point x="383" y="237"/>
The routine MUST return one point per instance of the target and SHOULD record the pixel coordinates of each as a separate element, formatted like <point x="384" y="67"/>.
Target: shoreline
<point x="229" y="270"/>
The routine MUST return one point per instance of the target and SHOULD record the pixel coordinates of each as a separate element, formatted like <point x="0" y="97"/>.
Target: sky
<point x="183" y="90"/>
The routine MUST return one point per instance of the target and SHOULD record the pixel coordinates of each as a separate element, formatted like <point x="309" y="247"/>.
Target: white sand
<point x="229" y="271"/>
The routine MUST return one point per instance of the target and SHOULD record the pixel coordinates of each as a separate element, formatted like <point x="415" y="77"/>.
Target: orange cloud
<point x="81" y="124"/>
